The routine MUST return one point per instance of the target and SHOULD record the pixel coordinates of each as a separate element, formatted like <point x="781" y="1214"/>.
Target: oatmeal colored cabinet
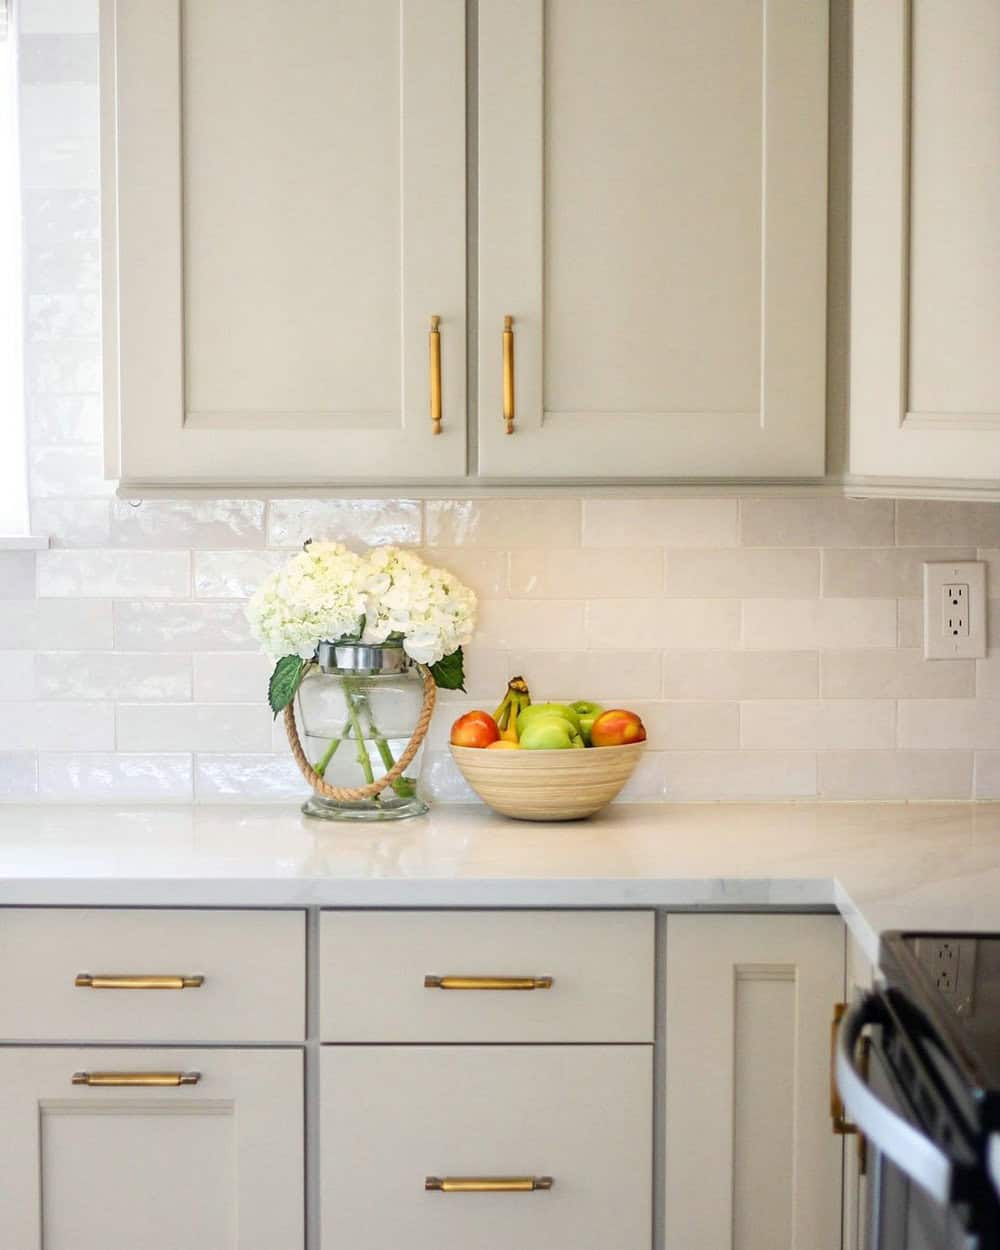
<point x="199" y="1166"/>
<point x="283" y="213"/>
<point x="750" y="1157"/>
<point x="653" y="214"/>
<point x="860" y="978"/>
<point x="925" y="283"/>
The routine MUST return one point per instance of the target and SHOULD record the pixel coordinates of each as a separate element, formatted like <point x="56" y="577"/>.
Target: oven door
<point x="901" y="1215"/>
<point x="911" y="1202"/>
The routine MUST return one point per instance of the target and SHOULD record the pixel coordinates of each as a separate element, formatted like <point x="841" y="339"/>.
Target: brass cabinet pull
<point x="842" y="1127"/>
<point x="487" y="983"/>
<point x="508" y="373"/>
<point x="434" y="340"/>
<point x="161" y="1080"/>
<point x="487" y="1184"/>
<point x="107" y="981"/>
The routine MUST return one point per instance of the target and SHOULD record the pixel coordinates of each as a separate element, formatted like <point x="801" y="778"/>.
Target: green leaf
<point x="449" y="673"/>
<point x="285" y="679"/>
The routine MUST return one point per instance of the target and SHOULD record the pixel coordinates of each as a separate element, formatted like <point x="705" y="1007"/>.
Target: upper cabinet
<point x="925" y="370"/>
<point x="283" y="213"/>
<point x="652" y="214"/>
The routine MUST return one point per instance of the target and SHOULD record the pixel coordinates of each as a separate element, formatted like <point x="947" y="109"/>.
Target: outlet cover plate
<point x="968" y="642"/>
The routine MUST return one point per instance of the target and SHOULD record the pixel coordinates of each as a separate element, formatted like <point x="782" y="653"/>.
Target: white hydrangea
<point x="428" y="608"/>
<point x="327" y="593"/>
<point x="317" y="595"/>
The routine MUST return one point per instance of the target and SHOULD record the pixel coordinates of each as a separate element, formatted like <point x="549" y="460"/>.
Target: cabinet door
<point x="284" y="211"/>
<point x="205" y="1166"/>
<point x="394" y="1116"/>
<point x="751" y="1159"/>
<point x="652" y="213"/>
<point x="925" y="285"/>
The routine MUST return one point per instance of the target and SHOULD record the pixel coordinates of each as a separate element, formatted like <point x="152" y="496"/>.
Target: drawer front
<point x="251" y="965"/>
<point x="374" y="968"/>
<point x="579" y="1115"/>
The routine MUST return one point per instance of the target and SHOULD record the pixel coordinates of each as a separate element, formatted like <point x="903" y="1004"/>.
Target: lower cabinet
<point x="750" y="1156"/>
<point x="168" y="1149"/>
<point x="416" y="1141"/>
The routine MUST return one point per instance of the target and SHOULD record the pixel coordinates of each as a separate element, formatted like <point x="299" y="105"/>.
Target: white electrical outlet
<point x="954" y="610"/>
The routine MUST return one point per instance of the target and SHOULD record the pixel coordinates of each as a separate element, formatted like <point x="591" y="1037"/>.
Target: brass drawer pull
<point x="487" y="1184"/>
<point x="434" y="344"/>
<point x="508" y="373"/>
<point x="105" y="981"/>
<point x="842" y="1127"/>
<point x="161" y="1080"/>
<point x="487" y="983"/>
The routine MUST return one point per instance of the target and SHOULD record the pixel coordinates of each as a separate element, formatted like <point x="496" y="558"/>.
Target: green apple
<point x="549" y="733"/>
<point x="587" y="713"/>
<point x="547" y="709"/>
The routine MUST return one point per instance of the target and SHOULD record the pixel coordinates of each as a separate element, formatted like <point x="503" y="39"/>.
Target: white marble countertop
<point x="917" y="865"/>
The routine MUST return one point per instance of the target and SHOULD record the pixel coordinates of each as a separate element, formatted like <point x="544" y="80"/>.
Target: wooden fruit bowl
<point x="548" y="785"/>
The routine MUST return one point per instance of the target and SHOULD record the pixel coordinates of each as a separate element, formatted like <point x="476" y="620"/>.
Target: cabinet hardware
<point x="487" y="1184"/>
<point x="107" y="981"/>
<point x="842" y="1127"/>
<point x="434" y="341"/>
<point x="508" y="373"/>
<point x="117" y="1079"/>
<point x="487" y="983"/>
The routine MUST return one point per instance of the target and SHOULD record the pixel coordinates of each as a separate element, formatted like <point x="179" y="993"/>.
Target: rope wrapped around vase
<point x="351" y="794"/>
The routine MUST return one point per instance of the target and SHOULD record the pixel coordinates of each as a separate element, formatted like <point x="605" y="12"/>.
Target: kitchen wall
<point x="771" y="644"/>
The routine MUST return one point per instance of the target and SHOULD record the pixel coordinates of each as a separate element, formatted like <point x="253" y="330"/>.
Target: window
<point x="13" y="465"/>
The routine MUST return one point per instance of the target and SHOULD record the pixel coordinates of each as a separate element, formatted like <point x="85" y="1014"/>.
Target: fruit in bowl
<point x="547" y="761"/>
<point x="617" y="728"/>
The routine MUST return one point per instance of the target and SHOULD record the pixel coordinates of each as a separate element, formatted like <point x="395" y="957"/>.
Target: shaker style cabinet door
<point x="652" y="215"/>
<point x="209" y="1164"/>
<point x="925" y="282"/>
<point x="751" y="1159"/>
<point x="283" y="214"/>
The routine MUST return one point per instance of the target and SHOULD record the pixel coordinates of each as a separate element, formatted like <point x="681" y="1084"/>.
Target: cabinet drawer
<point x="375" y="967"/>
<point x="580" y="1115"/>
<point x="251" y="965"/>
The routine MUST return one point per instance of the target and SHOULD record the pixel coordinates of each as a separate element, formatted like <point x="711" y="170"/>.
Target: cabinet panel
<point x="925" y="317"/>
<point x="285" y="210"/>
<point x="373" y="967"/>
<point x="580" y="1115"/>
<point x="860" y="978"/>
<point x="652" y="213"/>
<point x="751" y="1160"/>
<point x="212" y="1166"/>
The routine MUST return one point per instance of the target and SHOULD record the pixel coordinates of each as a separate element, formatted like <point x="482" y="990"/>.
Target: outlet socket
<point x="954" y="610"/>
<point x="951" y="964"/>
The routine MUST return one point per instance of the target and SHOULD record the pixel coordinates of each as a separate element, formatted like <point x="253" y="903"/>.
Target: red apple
<point x="617" y="728"/>
<point x="474" y="729"/>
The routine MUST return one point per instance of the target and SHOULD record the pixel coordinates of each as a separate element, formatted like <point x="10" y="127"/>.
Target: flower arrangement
<point x="327" y="593"/>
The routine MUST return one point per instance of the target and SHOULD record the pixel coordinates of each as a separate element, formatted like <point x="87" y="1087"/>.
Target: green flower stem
<point x="350" y="692"/>
<point x="323" y="763"/>
<point x="403" y="786"/>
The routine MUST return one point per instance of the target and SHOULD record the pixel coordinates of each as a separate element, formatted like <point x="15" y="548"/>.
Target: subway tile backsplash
<point x="771" y="643"/>
<point x="785" y="672"/>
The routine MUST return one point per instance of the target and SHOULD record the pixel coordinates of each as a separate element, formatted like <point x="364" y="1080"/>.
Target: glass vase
<point x="356" y="713"/>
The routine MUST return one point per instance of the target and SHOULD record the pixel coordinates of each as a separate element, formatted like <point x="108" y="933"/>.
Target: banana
<point x="516" y="699"/>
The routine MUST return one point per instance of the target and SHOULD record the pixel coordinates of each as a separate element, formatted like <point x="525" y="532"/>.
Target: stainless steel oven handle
<point x="914" y="1154"/>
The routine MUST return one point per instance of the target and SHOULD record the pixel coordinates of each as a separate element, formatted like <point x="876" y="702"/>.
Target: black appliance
<point x="918" y="1068"/>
